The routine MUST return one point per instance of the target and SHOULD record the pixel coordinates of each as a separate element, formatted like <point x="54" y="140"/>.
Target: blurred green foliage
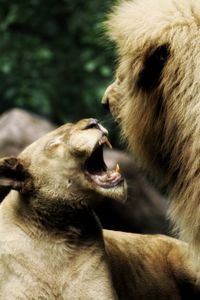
<point x="54" y="60"/>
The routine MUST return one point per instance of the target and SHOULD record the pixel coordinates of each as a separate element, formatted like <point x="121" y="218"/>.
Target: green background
<point x="54" y="58"/>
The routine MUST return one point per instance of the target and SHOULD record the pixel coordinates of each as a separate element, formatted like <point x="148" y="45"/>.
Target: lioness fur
<point x="51" y="243"/>
<point x="156" y="99"/>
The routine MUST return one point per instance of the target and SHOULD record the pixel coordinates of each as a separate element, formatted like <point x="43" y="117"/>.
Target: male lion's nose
<point x="106" y="97"/>
<point x="105" y="102"/>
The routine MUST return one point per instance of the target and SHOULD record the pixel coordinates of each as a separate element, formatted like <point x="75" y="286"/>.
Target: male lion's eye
<point x="153" y="65"/>
<point x="120" y="78"/>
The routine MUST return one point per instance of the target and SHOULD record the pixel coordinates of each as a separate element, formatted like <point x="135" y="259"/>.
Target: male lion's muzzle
<point x="105" y="99"/>
<point x="111" y="99"/>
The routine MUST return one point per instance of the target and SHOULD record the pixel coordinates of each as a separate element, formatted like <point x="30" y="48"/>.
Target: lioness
<point x="156" y="99"/>
<point x="51" y="243"/>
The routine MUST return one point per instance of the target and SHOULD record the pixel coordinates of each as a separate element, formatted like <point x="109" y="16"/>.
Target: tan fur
<point x="52" y="245"/>
<point x="150" y="267"/>
<point x="161" y="119"/>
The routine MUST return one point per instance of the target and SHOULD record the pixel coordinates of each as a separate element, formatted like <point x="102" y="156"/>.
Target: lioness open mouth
<point x="96" y="170"/>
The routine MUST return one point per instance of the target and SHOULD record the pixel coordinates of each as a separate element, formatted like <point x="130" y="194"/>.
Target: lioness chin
<point x="51" y="243"/>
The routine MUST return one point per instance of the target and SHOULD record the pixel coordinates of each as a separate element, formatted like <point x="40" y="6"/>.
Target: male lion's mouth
<point x="96" y="170"/>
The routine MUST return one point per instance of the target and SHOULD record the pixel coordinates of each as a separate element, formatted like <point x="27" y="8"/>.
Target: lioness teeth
<point x="108" y="144"/>
<point x="117" y="168"/>
<point x="104" y="140"/>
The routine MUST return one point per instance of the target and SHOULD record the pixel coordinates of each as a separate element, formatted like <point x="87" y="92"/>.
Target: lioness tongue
<point x="106" y="179"/>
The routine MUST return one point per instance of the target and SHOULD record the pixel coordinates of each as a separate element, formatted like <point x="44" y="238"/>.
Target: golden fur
<point x="51" y="243"/>
<point x="150" y="267"/>
<point x="158" y="98"/>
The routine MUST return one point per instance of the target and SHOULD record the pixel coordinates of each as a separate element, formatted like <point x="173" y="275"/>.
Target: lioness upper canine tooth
<point x="104" y="140"/>
<point x="108" y="144"/>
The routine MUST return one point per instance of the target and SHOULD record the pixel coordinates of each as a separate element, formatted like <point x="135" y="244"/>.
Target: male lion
<point x="51" y="243"/>
<point x="156" y="98"/>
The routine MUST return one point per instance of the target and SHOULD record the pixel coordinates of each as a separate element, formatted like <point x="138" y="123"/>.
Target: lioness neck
<point x="67" y="261"/>
<point x="52" y="219"/>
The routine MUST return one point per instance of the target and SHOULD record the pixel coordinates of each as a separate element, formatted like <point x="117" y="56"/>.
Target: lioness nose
<point x="93" y="123"/>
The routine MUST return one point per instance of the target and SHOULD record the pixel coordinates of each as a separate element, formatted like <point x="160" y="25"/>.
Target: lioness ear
<point x="12" y="173"/>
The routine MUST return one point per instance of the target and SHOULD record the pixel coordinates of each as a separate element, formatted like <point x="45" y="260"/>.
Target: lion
<point x="143" y="212"/>
<point x="155" y="98"/>
<point x="52" y="245"/>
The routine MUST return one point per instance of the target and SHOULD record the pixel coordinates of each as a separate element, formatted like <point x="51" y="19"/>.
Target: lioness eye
<point x="53" y="143"/>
